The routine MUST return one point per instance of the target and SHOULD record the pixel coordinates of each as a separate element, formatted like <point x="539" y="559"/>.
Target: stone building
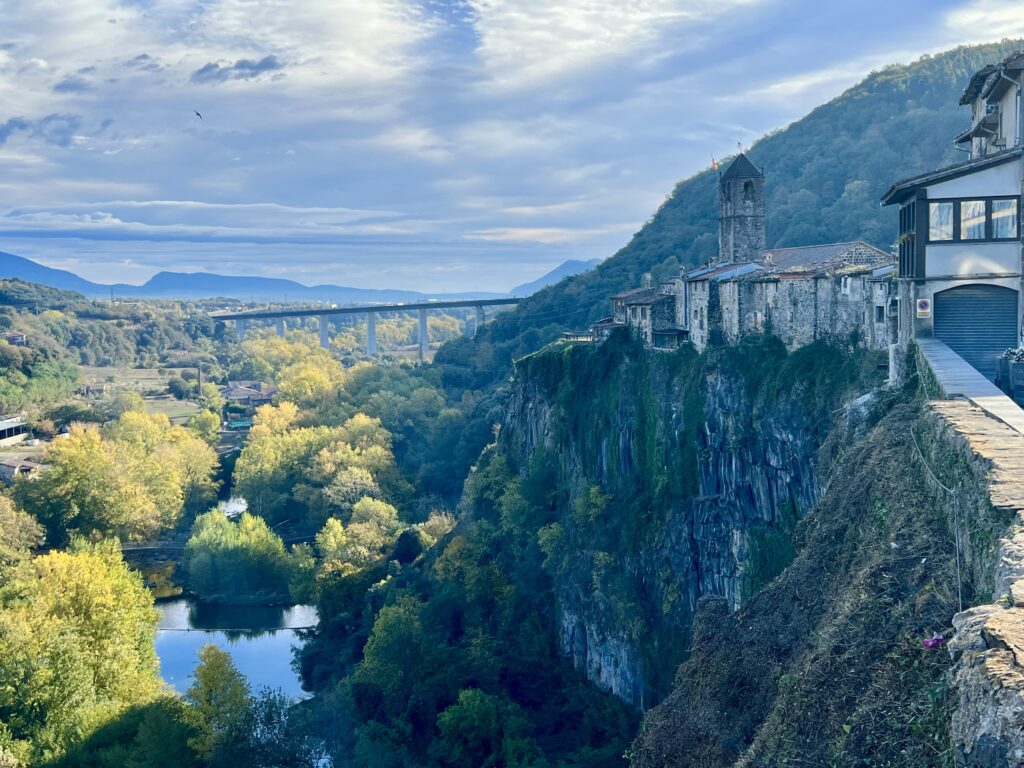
<point x="798" y="294"/>
<point x="960" y="246"/>
<point x="740" y="212"/>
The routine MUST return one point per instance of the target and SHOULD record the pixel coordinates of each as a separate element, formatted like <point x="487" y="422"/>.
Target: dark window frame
<point x="988" y="200"/>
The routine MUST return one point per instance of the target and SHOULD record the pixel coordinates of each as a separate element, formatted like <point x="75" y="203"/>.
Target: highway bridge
<point x="241" y="319"/>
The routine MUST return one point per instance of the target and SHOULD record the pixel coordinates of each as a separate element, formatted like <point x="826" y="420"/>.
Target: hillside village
<point x="955" y="275"/>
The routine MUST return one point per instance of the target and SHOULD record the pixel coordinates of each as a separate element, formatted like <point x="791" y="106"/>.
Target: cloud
<point x="12" y="125"/>
<point x="143" y="62"/>
<point x="243" y="69"/>
<point x="986" y="20"/>
<point x="55" y="129"/>
<point x="71" y="84"/>
<point x="164" y="220"/>
<point x="524" y="42"/>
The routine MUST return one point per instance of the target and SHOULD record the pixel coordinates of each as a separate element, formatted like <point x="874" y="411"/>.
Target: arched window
<point x="748" y="191"/>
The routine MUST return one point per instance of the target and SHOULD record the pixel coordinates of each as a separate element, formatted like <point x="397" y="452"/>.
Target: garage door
<point x="978" y="322"/>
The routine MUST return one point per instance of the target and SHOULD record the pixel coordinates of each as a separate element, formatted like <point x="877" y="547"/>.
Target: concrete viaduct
<point x="241" y="319"/>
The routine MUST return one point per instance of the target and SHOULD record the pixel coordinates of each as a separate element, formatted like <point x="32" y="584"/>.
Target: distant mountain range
<point x="565" y="269"/>
<point x="204" y="285"/>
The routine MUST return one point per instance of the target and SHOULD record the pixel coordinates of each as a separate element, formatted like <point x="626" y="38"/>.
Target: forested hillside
<point x="825" y="175"/>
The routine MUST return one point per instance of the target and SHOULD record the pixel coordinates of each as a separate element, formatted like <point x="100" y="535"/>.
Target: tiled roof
<point x="648" y="296"/>
<point x="630" y="293"/>
<point x="814" y="255"/>
<point x="724" y="271"/>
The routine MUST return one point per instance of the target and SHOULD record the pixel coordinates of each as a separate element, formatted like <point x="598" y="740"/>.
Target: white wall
<point x="958" y="259"/>
<point x="1003" y="179"/>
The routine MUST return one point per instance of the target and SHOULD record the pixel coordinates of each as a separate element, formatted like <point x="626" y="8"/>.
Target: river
<point x="259" y="638"/>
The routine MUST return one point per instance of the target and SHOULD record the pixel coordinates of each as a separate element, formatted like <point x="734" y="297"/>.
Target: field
<point x="145" y="381"/>
<point x="140" y="379"/>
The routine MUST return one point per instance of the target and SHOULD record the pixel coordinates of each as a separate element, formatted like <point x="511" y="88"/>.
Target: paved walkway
<point x="958" y="378"/>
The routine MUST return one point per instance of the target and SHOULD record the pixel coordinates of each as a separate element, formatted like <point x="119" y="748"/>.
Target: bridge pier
<point x="325" y="332"/>
<point x="241" y="326"/>
<point x="371" y="333"/>
<point x="479" y="320"/>
<point x="424" y="341"/>
<point x="280" y="327"/>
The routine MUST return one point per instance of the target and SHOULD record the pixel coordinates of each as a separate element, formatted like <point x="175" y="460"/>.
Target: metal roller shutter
<point x="977" y="322"/>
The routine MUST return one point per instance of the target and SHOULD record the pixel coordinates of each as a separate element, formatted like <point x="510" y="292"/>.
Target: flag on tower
<point x="714" y="163"/>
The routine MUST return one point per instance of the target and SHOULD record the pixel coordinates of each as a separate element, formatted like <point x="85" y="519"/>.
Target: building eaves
<point x="903" y="188"/>
<point x="976" y="83"/>
<point x="630" y="293"/>
<point x="649" y="296"/>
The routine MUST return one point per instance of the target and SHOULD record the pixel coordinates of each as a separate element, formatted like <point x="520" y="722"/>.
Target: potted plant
<point x="1015" y="362"/>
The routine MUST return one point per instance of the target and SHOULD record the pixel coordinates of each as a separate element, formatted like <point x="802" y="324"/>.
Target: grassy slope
<point x="825" y="174"/>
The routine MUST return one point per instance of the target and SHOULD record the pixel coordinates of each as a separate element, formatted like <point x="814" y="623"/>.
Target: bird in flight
<point x="197" y="114"/>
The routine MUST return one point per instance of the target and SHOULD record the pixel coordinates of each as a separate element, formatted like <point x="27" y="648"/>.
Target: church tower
<point x="740" y="212"/>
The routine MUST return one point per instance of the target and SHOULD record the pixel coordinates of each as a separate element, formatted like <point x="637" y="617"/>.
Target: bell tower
<point x="740" y="212"/>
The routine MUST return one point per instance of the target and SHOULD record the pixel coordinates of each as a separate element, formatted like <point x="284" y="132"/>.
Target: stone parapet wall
<point x="987" y="677"/>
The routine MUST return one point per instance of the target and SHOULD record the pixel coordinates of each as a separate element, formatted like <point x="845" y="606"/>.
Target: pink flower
<point x="934" y="641"/>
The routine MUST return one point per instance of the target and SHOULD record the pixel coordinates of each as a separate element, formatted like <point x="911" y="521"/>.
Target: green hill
<point x="825" y="174"/>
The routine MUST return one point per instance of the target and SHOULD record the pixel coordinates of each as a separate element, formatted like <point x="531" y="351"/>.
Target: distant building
<point x="12" y="468"/>
<point x="249" y="394"/>
<point x="13" y="429"/>
<point x="798" y="294"/>
<point x="960" y="246"/>
<point x="16" y="339"/>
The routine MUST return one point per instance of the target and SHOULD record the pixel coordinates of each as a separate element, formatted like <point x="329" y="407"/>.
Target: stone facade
<point x="741" y="206"/>
<point x="798" y="294"/>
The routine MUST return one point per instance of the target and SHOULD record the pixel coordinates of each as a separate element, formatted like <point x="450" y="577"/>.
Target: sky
<point x="416" y="144"/>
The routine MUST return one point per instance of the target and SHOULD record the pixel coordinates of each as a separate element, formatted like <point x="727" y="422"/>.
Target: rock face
<point x="987" y="678"/>
<point x="716" y="474"/>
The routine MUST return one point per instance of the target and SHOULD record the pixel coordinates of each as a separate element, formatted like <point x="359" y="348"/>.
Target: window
<point x="972" y="219"/>
<point x="1004" y="219"/>
<point x="940" y="221"/>
<point x="879" y="314"/>
<point x="967" y="221"/>
<point x="748" y="191"/>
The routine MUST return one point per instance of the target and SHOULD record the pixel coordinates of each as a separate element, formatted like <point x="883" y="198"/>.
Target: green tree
<point x="206" y="426"/>
<point x="75" y="649"/>
<point x="220" y="698"/>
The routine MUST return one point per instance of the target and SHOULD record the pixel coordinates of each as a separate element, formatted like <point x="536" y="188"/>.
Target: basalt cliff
<point x="775" y="556"/>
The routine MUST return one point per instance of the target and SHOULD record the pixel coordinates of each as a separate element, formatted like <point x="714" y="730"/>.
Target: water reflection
<point x="260" y="639"/>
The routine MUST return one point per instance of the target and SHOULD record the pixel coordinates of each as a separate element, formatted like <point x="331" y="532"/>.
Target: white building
<point x="960" y="246"/>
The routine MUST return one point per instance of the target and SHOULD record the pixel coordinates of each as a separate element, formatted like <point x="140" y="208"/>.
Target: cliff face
<point x="681" y="476"/>
<point x="828" y="665"/>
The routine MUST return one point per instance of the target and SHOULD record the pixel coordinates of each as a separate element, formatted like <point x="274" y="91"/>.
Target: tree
<point x="220" y="698"/>
<point x="206" y="425"/>
<point x="331" y="540"/>
<point x="75" y="648"/>
<point x="131" y="479"/>
<point x="210" y="398"/>
<point x="224" y="559"/>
